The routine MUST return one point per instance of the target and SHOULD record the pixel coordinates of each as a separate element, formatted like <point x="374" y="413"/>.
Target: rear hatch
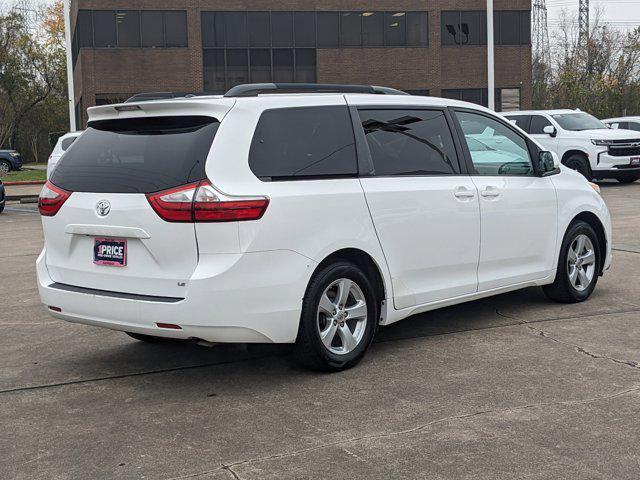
<point x="125" y="154"/>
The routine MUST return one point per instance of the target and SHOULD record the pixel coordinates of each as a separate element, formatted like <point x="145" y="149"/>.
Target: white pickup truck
<point x="584" y="143"/>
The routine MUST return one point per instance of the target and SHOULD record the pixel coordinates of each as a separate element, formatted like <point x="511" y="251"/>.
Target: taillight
<point x="51" y="199"/>
<point x="175" y="204"/>
<point x="201" y="202"/>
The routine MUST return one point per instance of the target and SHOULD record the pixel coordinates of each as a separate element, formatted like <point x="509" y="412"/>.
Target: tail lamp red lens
<point x="51" y="199"/>
<point x="201" y="202"/>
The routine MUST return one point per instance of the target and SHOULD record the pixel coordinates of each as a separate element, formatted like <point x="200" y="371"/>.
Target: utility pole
<point x="491" y="84"/>
<point x="67" y="41"/>
<point x="583" y="22"/>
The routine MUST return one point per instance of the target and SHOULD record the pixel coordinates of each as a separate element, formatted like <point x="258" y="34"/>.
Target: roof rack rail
<point x="254" y="89"/>
<point x="150" y="96"/>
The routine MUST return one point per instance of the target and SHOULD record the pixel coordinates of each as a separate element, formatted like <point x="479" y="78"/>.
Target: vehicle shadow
<point x="121" y="357"/>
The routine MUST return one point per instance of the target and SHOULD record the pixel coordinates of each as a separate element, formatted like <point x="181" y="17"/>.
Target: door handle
<point x="490" y="192"/>
<point x="464" y="192"/>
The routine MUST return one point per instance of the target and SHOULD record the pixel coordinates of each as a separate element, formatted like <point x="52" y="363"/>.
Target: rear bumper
<point x="244" y="298"/>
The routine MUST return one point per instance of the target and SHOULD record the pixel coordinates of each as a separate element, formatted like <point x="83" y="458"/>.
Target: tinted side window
<point x="521" y="120"/>
<point x="495" y="148"/>
<point x="303" y="142"/>
<point x="409" y="142"/>
<point x="538" y="122"/>
<point x="634" y="126"/>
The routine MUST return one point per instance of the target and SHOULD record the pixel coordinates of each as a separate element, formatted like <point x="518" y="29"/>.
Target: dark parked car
<point x="9" y="160"/>
<point x="1" y="196"/>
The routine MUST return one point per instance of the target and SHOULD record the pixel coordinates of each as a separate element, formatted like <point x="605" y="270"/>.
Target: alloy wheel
<point x="4" y="167"/>
<point x="342" y="316"/>
<point x="581" y="262"/>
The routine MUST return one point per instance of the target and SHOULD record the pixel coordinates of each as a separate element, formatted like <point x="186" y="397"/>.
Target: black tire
<point x="309" y="348"/>
<point x="147" y="338"/>
<point x="562" y="290"/>
<point x="580" y="164"/>
<point x="2" y="208"/>
<point x="627" y="179"/>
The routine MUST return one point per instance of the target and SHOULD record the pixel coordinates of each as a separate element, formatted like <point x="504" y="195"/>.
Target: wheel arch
<point x="574" y="151"/>
<point x="363" y="260"/>
<point x="595" y="223"/>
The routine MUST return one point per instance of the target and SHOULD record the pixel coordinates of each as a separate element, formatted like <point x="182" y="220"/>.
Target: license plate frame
<point x="116" y="256"/>
<point x="634" y="162"/>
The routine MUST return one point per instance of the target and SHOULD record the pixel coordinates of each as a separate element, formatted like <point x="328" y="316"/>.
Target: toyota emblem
<point x="103" y="207"/>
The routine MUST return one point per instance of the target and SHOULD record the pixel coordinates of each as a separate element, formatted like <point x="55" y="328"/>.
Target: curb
<point x="21" y="198"/>
<point x="26" y="182"/>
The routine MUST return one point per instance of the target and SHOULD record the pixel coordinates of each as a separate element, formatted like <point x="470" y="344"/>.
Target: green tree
<point x="600" y="76"/>
<point x="33" y="98"/>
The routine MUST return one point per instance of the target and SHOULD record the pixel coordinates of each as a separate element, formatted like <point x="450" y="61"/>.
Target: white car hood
<point x="608" y="134"/>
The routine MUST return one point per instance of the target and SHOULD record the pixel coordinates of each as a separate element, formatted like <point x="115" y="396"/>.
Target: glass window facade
<point x="129" y="28"/>
<point x="511" y="27"/>
<point x="314" y="29"/>
<point x="281" y="46"/>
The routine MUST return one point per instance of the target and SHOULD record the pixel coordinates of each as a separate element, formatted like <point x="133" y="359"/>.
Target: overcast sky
<point x="621" y="13"/>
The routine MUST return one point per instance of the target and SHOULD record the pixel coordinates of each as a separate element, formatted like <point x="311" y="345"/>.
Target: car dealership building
<point x="427" y="47"/>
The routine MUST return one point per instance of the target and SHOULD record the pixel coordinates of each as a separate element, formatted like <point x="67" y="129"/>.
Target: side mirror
<point x="550" y="130"/>
<point x="548" y="162"/>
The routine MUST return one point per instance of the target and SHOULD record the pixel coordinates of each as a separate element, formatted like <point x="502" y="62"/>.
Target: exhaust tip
<point x="55" y="309"/>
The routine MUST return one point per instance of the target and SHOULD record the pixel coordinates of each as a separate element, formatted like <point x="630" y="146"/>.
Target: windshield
<point x="576" y="122"/>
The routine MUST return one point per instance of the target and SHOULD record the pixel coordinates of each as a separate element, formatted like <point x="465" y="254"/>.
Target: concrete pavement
<point x="508" y="387"/>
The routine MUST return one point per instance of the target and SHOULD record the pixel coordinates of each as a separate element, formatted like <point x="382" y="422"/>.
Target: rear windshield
<point x="139" y="155"/>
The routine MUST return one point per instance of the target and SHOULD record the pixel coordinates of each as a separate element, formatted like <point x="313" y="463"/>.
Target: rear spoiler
<point x="209" y="107"/>
<point x="151" y="96"/>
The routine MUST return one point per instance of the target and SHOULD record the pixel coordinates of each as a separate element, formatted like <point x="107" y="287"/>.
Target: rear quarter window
<point x="305" y="142"/>
<point x="138" y="155"/>
<point x="66" y="143"/>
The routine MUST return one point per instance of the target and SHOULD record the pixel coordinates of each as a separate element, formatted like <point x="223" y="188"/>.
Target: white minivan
<point x="62" y="145"/>
<point x="307" y="214"/>
<point x="584" y="143"/>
